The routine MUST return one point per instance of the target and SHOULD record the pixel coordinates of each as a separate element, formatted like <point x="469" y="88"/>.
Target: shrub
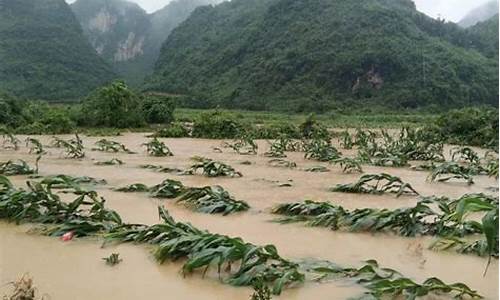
<point x="114" y="105"/>
<point x="10" y="111"/>
<point x="57" y="122"/>
<point x="275" y="131"/>
<point x="470" y="126"/>
<point x="174" y="130"/>
<point x="158" y="110"/>
<point x="311" y="128"/>
<point x="217" y="125"/>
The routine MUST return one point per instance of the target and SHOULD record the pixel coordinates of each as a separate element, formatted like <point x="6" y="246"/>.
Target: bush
<point x="158" y="110"/>
<point x="11" y="111"/>
<point x="217" y="125"/>
<point x="312" y="129"/>
<point x="114" y="105"/>
<point x="174" y="130"/>
<point x="274" y="131"/>
<point x="470" y="126"/>
<point x="57" y="122"/>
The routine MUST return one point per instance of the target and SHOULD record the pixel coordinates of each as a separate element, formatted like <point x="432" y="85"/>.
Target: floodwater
<point x="75" y="270"/>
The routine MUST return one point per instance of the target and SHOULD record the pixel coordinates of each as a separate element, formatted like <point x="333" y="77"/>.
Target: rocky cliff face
<point x="44" y="53"/>
<point x="117" y="29"/>
<point x="126" y="36"/>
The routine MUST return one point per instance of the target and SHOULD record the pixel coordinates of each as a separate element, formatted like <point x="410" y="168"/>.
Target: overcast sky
<point x="452" y="10"/>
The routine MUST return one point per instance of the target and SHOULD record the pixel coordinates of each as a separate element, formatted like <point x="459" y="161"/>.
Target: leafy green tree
<point x="217" y="125"/>
<point x="114" y="105"/>
<point x="11" y="111"/>
<point x="158" y="109"/>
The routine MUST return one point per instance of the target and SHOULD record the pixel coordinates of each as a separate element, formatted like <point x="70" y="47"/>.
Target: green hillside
<point x="126" y="36"/>
<point x="44" y="54"/>
<point x="312" y="55"/>
<point x="480" y="14"/>
<point x="485" y="36"/>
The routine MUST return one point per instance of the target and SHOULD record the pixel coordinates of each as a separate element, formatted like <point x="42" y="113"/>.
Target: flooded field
<point x="74" y="270"/>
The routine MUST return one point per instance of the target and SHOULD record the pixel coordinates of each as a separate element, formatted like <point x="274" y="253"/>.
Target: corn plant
<point x="283" y="143"/>
<point x="57" y="142"/>
<point x="212" y="200"/>
<point x="203" y="250"/>
<point x="462" y="246"/>
<point x="70" y="182"/>
<point x="157" y="148"/>
<point x="283" y="163"/>
<point x="405" y="221"/>
<point x="243" y="264"/>
<point x="456" y="212"/>
<point x="167" y="189"/>
<point x="465" y="154"/>
<point x="432" y="216"/>
<point x="348" y="165"/>
<point x="492" y="168"/>
<point x="162" y="169"/>
<point x="73" y="148"/>
<point x="317" y="169"/>
<point x="376" y="184"/>
<point x="105" y="145"/>
<point x="207" y="199"/>
<point x="452" y="170"/>
<point x="244" y="146"/>
<point x="409" y="145"/>
<point x="320" y="150"/>
<point x="415" y="144"/>
<point x="389" y="160"/>
<point x="132" y="188"/>
<point x="275" y="152"/>
<point x="212" y="168"/>
<point x="111" y="162"/>
<point x="20" y="167"/>
<point x="85" y="215"/>
<point x="261" y="290"/>
<point x="346" y="141"/>
<point x="113" y="259"/>
<point x="35" y="146"/>
<point x="10" y="141"/>
<point x="385" y="283"/>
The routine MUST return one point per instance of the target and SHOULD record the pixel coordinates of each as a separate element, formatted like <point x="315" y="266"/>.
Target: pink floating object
<point x="68" y="236"/>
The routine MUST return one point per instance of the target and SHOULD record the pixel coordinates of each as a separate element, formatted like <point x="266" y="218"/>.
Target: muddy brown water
<point x="74" y="270"/>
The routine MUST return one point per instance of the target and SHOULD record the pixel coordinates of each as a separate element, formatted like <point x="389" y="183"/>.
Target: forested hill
<point x="480" y="14"/>
<point x="485" y="36"/>
<point x="128" y="37"/>
<point x="322" y="54"/>
<point x="43" y="53"/>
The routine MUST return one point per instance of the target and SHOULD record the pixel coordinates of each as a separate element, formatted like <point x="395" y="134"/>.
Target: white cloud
<point x="148" y="5"/>
<point x="451" y="10"/>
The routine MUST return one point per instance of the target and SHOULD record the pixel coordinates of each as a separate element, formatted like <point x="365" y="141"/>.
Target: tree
<point x="158" y="109"/>
<point x="114" y="105"/>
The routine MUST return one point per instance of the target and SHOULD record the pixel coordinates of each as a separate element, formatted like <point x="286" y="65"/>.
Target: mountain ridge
<point x="43" y="53"/>
<point x="480" y="14"/>
<point x="317" y="54"/>
<point x="130" y="38"/>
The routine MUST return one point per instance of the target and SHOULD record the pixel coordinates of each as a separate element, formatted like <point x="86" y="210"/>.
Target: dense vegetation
<point x="112" y="106"/>
<point x="116" y="106"/>
<point x="314" y="55"/>
<point x="44" y="54"/>
<point x="485" y="36"/>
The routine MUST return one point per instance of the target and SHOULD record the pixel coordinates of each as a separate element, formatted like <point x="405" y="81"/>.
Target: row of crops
<point x="241" y="263"/>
